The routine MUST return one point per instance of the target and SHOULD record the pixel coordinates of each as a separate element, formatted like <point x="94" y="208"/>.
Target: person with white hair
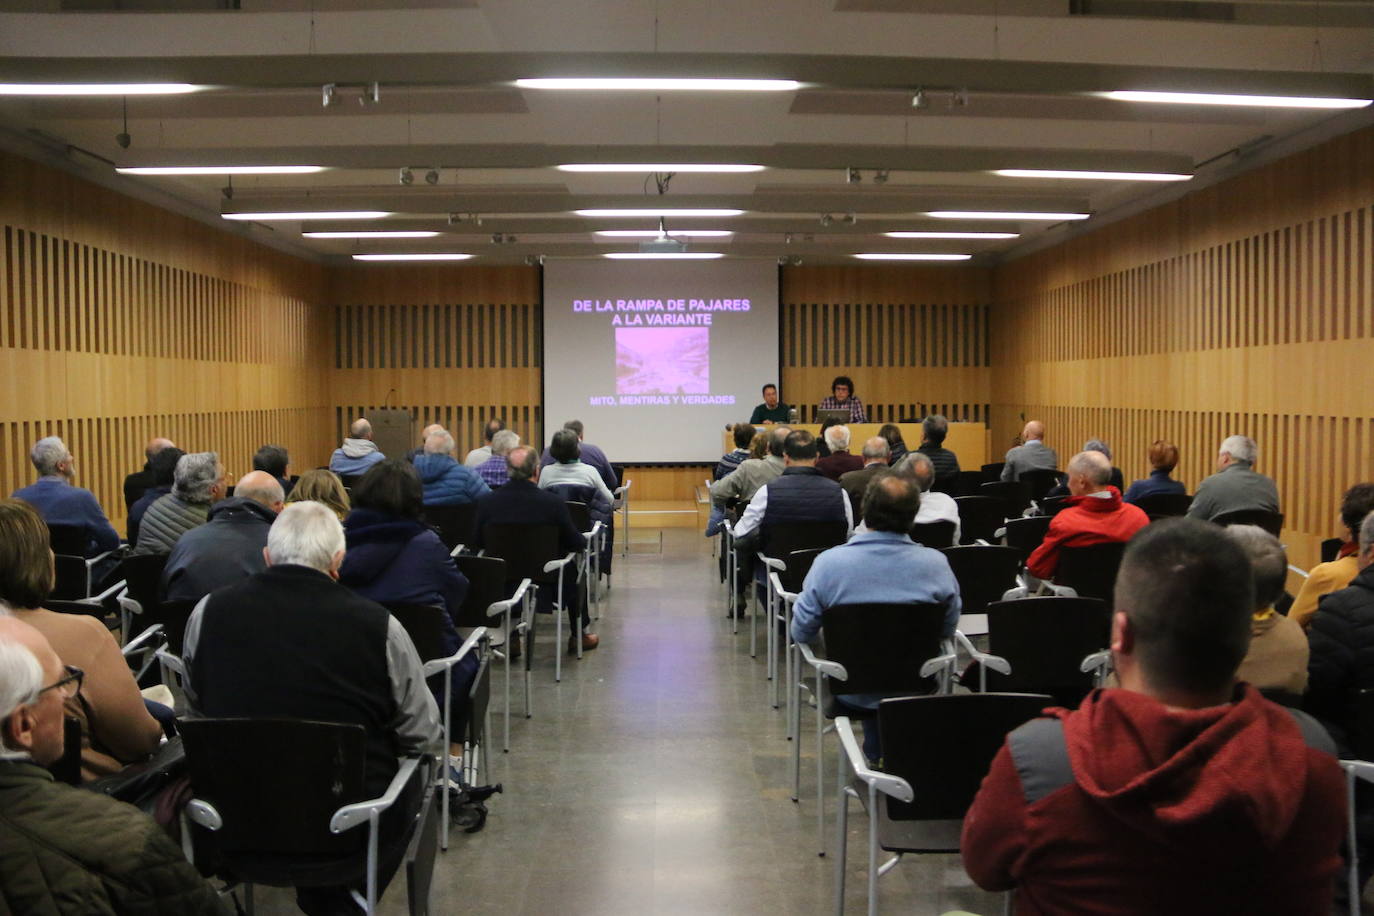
<point x="229" y="546"/>
<point x="291" y="642"/>
<point x="935" y="507"/>
<point x="62" y="503"/>
<point x="494" y="471"/>
<point x="1235" y="485"/>
<point x="358" y="452"/>
<point x="840" y="461"/>
<point x="1093" y="514"/>
<point x="197" y="484"/>
<point x="446" y="482"/>
<point x="65" y="850"/>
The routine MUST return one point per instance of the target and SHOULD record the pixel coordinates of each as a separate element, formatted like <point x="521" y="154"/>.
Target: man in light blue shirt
<point x="881" y="565"/>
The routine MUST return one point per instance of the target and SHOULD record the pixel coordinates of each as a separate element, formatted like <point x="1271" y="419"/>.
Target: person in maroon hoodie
<point x="1180" y="791"/>
<point x="1093" y="514"/>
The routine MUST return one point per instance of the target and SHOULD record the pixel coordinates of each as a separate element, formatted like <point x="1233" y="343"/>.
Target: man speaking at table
<point x="771" y="410"/>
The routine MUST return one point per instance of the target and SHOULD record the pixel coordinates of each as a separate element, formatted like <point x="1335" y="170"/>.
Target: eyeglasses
<point x="69" y="685"/>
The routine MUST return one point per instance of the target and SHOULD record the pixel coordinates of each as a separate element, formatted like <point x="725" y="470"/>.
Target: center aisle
<point x="654" y="778"/>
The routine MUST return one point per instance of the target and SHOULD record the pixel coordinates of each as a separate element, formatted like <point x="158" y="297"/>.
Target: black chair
<point x="1269" y="521"/>
<point x="984" y="574"/>
<point x="72" y="568"/>
<point x="531" y="552"/>
<point x="174" y="615"/>
<point x="1331" y="548"/>
<point x="1015" y="496"/>
<point x="486" y="603"/>
<point x="1051" y="505"/>
<point x="67" y="768"/>
<point x="350" y="481"/>
<point x="1165" y="505"/>
<point x="1026" y="534"/>
<point x="1040" y="481"/>
<point x="785" y="578"/>
<point x="777" y="542"/>
<point x="938" y="535"/>
<point x="284" y="818"/>
<point x="454" y="524"/>
<point x="992" y="471"/>
<point x="1090" y="571"/>
<point x="980" y="517"/>
<point x="1045" y="642"/>
<point x="967" y="483"/>
<point x="143" y="577"/>
<point x="940" y="749"/>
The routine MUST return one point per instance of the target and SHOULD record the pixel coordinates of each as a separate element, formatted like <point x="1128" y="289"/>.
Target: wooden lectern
<point x="393" y="429"/>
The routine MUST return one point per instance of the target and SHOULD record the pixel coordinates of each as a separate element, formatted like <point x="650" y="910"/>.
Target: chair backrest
<point x="67" y="768"/>
<point x="1331" y="548"/>
<point x="276" y="782"/>
<point x="81" y="608"/>
<point x="1045" y="640"/>
<point x="944" y="745"/>
<point x="68" y="540"/>
<point x="581" y="515"/>
<point x="1165" y="505"/>
<point x="979" y="517"/>
<point x="455" y="524"/>
<point x="781" y="540"/>
<point x="1052" y="504"/>
<point x="1269" y="521"/>
<point x="934" y="534"/>
<point x="992" y="471"/>
<point x="486" y="585"/>
<point x="143" y="576"/>
<point x="1040" y="481"/>
<point x="1014" y="494"/>
<point x="967" y="483"/>
<point x="1363" y="738"/>
<point x="525" y="548"/>
<point x="984" y="573"/>
<point x="424" y="624"/>
<point x="1090" y="571"/>
<point x="882" y="646"/>
<point x="174" y="615"/>
<point x="71" y="577"/>
<point x="1026" y="534"/>
<point x="349" y="481"/>
<point x="799" y="563"/>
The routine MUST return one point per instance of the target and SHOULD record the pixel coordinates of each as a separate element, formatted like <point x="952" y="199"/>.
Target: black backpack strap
<point x="1041" y="758"/>
<point x="1313" y="732"/>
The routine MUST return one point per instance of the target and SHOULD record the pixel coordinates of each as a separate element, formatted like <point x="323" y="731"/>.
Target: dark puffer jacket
<point x="71" y="851"/>
<point x="1342" y="659"/>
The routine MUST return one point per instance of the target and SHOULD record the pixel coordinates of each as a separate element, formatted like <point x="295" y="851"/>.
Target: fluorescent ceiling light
<point x="1091" y="176"/>
<point x="663" y="255"/>
<point x="97" y="88"/>
<point x="879" y="256"/>
<point x="659" y="211"/>
<point x="952" y="235"/>
<point x="221" y="170"/>
<point x="654" y="233"/>
<point x="427" y="256"/>
<point x="721" y="169"/>
<point x="365" y="234"/>
<point x="1256" y="101"/>
<point x="1002" y="214"/>
<point x="310" y="214"/>
<point x="659" y="84"/>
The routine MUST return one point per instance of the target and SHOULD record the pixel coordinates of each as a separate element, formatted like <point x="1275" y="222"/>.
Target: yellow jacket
<point x="1324" y="579"/>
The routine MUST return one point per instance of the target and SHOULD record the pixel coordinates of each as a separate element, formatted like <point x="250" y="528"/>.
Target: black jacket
<point x="1342" y="659"/>
<point x="225" y="550"/>
<point x="521" y="502"/>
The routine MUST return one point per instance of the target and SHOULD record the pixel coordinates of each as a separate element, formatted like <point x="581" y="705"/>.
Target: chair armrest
<point x="435" y="665"/>
<point x="114" y="591"/>
<point x="553" y="565"/>
<point x="204" y="814"/>
<point x="91" y="561"/>
<point x="886" y="783"/>
<point x="1000" y="533"/>
<point x="172" y="662"/>
<point x="946" y="660"/>
<point x="728" y="527"/>
<point x="1361" y="769"/>
<point x="993" y="662"/>
<point x="359" y="812"/>
<point x="784" y="594"/>
<point x="457" y="549"/>
<point x="150" y="640"/>
<point x="1301" y="572"/>
<point x="595" y="532"/>
<point x="1099" y="663"/>
<point x="983" y="542"/>
<point x="770" y="562"/>
<point x="497" y="608"/>
<point x="824" y="666"/>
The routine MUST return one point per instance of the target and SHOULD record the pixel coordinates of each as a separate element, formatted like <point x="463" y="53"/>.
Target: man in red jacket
<point x="1179" y="792"/>
<point x="1093" y="514"/>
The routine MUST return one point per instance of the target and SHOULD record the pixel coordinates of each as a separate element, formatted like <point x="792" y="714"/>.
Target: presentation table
<point x="967" y="440"/>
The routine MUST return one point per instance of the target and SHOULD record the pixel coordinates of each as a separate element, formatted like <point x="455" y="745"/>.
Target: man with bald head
<point x="1093" y="514"/>
<point x="358" y="452"/>
<point x="1031" y="454"/>
<point x="228" y="547"/>
<point x="138" y="482"/>
<point x="62" y="849"/>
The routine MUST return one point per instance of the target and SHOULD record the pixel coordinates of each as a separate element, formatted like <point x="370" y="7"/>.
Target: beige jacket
<point x="1278" y="654"/>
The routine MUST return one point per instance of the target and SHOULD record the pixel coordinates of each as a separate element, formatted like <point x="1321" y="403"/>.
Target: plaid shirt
<point x="494" y="471"/>
<point x="856" y="408"/>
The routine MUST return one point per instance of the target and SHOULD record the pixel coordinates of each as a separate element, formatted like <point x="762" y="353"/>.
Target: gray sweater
<point x="1235" y="487"/>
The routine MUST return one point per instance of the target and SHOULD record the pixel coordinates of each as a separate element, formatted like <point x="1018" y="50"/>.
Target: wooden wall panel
<point x="1246" y="307"/>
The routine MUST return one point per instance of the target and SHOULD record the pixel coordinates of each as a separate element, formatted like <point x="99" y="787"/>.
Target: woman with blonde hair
<point x="322" y="485"/>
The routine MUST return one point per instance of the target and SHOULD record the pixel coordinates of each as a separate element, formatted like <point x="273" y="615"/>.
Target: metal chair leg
<point x="842" y="839"/>
<point x="820" y="768"/>
<point x="872" y="851"/>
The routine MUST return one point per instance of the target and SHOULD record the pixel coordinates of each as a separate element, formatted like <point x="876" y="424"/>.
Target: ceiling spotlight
<point x="919" y="100"/>
<point x="327" y="94"/>
<point x="849" y="219"/>
<point x="372" y="94"/>
<point x="827" y="219"/>
<point x="790" y="260"/>
<point x="880" y="176"/>
<point x="502" y="238"/>
<point x="406" y="177"/>
<point x="455" y="219"/>
<point x="534" y="260"/>
<point x="432" y="176"/>
<point x="853" y="176"/>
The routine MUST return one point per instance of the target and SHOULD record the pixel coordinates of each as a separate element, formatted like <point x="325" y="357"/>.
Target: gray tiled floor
<point x="654" y="779"/>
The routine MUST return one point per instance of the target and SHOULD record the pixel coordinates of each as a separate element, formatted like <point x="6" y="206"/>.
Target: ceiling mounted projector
<point x="662" y="245"/>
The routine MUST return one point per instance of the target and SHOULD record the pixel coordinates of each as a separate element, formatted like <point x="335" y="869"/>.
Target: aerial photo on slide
<point x="663" y="360"/>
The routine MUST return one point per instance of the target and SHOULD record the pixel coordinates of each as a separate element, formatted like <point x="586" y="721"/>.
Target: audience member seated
<point x="1031" y="454"/>
<point x="291" y="642"/>
<point x="1341" y="635"/>
<point x="1179" y="792"/>
<point x="570" y="470"/>
<point x="358" y="452"/>
<point x="393" y="557"/>
<point x="65" y="850"/>
<point x="591" y="454"/>
<point x="1092" y="445"/>
<point x="197" y="484"/>
<point x="799" y="494"/>
<point x="758" y="446"/>
<point x="275" y="460"/>
<point x="60" y="502"/>
<point x="823" y="448"/>
<point x="896" y="445"/>
<point x="934" y="429"/>
<point x="116" y="728"/>
<point x="879" y="565"/>
<point x="1326" y="578"/>
<point x="935" y="507"/>
<point x="1093" y="514"/>
<point x="1235" y="485"/>
<point x="482" y="454"/>
<point x="1278" y="653"/>
<point x="424" y="435"/>
<point x="494" y="471"/>
<point x="752" y="473"/>
<point x="839" y="461"/>
<point x="139" y="481"/>
<point x="164" y="466"/>
<point x="321" y="485"/>
<point x="842" y="397"/>
<point x="730" y="461"/>
<point x="446" y="482"/>
<point x="771" y="410"/>
<point x="1163" y="459"/>
<point x="855" y="483"/>
<point x="522" y="502"/>
<point x="228" y="547"/>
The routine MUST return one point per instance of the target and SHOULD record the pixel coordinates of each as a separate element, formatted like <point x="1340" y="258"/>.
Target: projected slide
<point x="656" y="357"/>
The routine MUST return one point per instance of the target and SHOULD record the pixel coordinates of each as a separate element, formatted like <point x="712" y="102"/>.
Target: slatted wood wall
<point x="1246" y="307"/>
<point x="119" y="322"/>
